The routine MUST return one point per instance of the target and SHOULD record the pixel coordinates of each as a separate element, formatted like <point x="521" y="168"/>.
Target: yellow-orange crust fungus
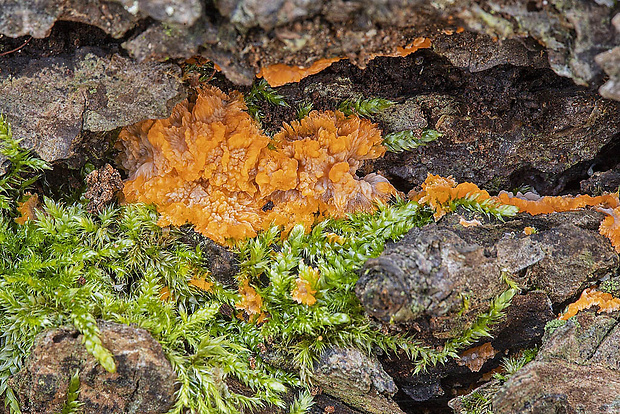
<point x="610" y="227"/>
<point x="469" y="223"/>
<point x="544" y="205"/>
<point x="280" y="74"/>
<point x="589" y="298"/>
<point x="201" y="283"/>
<point x="437" y="192"/>
<point x="303" y="292"/>
<point x="251" y="301"/>
<point x="28" y="208"/>
<point x="418" y="43"/>
<point x="475" y="358"/>
<point x="607" y="203"/>
<point x="306" y="283"/>
<point x="328" y="148"/>
<point x="209" y="164"/>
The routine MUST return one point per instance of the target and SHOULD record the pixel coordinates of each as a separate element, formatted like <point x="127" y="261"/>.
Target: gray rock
<point x="299" y="32"/>
<point x="402" y="116"/>
<point x="49" y="101"/>
<point x="559" y="387"/>
<point x="246" y="14"/>
<point x="600" y="182"/>
<point x="609" y="61"/>
<point x="356" y="379"/>
<point x="162" y="41"/>
<point x="185" y="12"/>
<point x="36" y="18"/>
<point x="144" y="381"/>
<point x="431" y="270"/>
<point x="541" y="137"/>
<point x="579" y="339"/>
<point x="478" y="51"/>
<point x="577" y="370"/>
<point x="18" y="18"/>
<point x="573" y="32"/>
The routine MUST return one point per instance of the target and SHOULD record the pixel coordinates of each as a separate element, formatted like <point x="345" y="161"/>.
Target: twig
<point x="16" y="49"/>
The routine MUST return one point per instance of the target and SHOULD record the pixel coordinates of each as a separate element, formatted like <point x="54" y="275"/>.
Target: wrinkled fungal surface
<point x="210" y="165"/>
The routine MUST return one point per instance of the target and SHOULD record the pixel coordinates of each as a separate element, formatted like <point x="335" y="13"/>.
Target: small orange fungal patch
<point x="165" y="294"/>
<point x="589" y="298"/>
<point x="27" y="208"/>
<point x="251" y="302"/>
<point x="437" y="192"/>
<point x="303" y="292"/>
<point x="475" y="358"/>
<point x="335" y="238"/>
<point x="280" y="74"/>
<point x="417" y="44"/>
<point x="305" y="288"/>
<point x="469" y="223"/>
<point x="201" y="283"/>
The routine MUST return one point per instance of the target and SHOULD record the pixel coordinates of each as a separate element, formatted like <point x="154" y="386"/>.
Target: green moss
<point x="552" y="325"/>
<point x="72" y="406"/>
<point x="407" y="140"/>
<point x="514" y="363"/>
<point x="72" y="267"/>
<point x="364" y="108"/>
<point x="611" y="286"/>
<point x="476" y="403"/>
<point x="261" y="91"/>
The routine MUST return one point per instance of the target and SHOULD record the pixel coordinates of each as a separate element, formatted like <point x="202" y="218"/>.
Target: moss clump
<point x="67" y="266"/>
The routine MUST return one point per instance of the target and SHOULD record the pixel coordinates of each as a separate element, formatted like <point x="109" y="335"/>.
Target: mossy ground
<point x="68" y="266"/>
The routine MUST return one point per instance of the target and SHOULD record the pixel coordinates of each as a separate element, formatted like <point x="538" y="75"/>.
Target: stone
<point x="601" y="182"/>
<point x="577" y="127"/>
<point x="143" y="383"/>
<point x="577" y="370"/>
<point x="162" y="41"/>
<point x="184" y="12"/>
<point x="102" y="188"/>
<point x="559" y="387"/>
<point x="36" y="18"/>
<point x="477" y="51"/>
<point x="429" y="272"/>
<point x="609" y="61"/>
<point x="356" y="379"/>
<point x="299" y="32"/>
<point x="50" y="101"/>
<point x="267" y="14"/>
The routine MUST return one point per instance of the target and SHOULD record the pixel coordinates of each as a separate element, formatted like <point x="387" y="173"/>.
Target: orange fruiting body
<point x="27" y="208"/>
<point x="437" y="192"/>
<point x="306" y="283"/>
<point x="209" y="164"/>
<point x="589" y="298"/>
<point x="280" y="74"/>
